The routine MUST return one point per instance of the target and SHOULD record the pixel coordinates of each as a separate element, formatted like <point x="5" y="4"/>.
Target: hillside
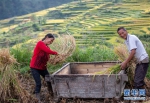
<point x="91" y="22"/>
<point x="11" y="8"/>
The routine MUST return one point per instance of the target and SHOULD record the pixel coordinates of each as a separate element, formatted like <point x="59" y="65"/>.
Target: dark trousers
<point x="140" y="73"/>
<point x="36" y="75"/>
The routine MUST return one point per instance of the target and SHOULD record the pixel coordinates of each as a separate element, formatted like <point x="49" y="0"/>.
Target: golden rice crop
<point x="10" y="88"/>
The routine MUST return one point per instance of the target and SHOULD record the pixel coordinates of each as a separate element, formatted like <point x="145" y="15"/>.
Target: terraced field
<point x="91" y="22"/>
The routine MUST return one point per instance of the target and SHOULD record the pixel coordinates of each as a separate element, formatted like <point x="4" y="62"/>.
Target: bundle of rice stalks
<point x="10" y="88"/>
<point x="112" y="70"/>
<point x="58" y="59"/>
<point x="65" y="46"/>
<point x="6" y="59"/>
<point x="122" y="53"/>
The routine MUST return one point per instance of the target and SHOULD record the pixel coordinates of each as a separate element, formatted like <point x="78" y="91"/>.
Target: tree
<point x="36" y="27"/>
<point x="40" y="20"/>
<point x="44" y="20"/>
<point x="33" y="18"/>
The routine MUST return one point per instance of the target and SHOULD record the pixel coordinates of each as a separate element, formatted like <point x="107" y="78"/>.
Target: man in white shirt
<point x="137" y="50"/>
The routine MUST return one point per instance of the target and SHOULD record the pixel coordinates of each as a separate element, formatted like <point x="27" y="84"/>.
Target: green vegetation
<point x="89" y="22"/>
<point x="22" y="55"/>
<point x="90" y="54"/>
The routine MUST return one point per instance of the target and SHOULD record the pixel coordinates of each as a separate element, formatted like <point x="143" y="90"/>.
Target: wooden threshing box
<point x="77" y="80"/>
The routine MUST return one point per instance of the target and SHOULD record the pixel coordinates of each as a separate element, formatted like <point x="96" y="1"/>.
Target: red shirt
<point x="41" y="56"/>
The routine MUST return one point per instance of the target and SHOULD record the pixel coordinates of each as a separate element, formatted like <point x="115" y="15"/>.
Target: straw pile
<point x="10" y="87"/>
<point x="65" y="46"/>
<point x="6" y="59"/>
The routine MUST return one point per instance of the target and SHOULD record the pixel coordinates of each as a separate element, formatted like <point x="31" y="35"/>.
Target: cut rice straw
<point x="10" y="87"/>
<point x="65" y="46"/>
<point x="122" y="53"/>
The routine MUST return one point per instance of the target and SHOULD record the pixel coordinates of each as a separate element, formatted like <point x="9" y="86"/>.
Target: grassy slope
<point x="90" y="22"/>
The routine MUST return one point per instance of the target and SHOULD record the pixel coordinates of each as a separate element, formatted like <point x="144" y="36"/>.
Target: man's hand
<point x="123" y="65"/>
<point x="131" y="55"/>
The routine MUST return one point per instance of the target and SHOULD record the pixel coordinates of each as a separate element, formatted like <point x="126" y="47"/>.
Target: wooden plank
<point x="87" y="87"/>
<point x="96" y="66"/>
<point x="87" y="71"/>
<point x="66" y="70"/>
<point x="90" y="68"/>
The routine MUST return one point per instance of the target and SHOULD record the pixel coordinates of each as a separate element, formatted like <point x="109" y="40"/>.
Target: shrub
<point x="36" y="27"/>
<point x="23" y="55"/>
<point x="92" y="54"/>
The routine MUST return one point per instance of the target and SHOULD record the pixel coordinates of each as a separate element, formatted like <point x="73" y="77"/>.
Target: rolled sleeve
<point x="132" y="43"/>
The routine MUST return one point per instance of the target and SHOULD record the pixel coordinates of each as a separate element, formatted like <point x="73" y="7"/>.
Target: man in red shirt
<point x="39" y="60"/>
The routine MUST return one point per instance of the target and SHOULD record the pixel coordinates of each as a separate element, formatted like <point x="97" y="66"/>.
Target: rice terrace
<point x="88" y="45"/>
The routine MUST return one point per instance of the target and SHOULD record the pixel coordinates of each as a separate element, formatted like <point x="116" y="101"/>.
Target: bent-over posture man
<point x="137" y="50"/>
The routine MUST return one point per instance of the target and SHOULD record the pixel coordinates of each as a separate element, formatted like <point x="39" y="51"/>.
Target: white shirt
<point x="133" y="42"/>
